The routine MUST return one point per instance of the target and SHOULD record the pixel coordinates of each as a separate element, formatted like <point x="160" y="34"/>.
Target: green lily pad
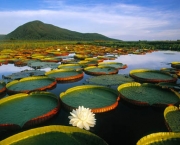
<point x="30" y="84"/>
<point x="169" y="85"/>
<point x="42" y="65"/>
<point x="54" y="135"/>
<point x="69" y="61"/>
<point x="110" y="80"/>
<point x="170" y="70"/>
<point x="107" y="57"/>
<point x="70" y="66"/>
<point x="172" y="118"/>
<point x="2" y="86"/>
<point x="160" y="138"/>
<point x="25" y="73"/>
<point x="97" y="98"/>
<point x="100" y="70"/>
<point x="147" y="94"/>
<point x="64" y="75"/>
<point x="175" y="65"/>
<point x="22" y="110"/>
<point x="117" y="65"/>
<point x="88" y="63"/>
<point x="151" y="76"/>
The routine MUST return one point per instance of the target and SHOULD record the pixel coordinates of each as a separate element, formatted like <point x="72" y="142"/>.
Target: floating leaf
<point x="147" y="94"/>
<point x="30" y="84"/>
<point x="22" y="110"/>
<point x="152" y="76"/>
<point x="110" y="80"/>
<point x="172" y="118"/>
<point x="160" y="138"/>
<point x="64" y="75"/>
<point x="100" y="70"/>
<point x="54" y="134"/>
<point x="97" y="98"/>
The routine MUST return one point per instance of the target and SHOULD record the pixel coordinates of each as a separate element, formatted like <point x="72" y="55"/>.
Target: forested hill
<point x="37" y="30"/>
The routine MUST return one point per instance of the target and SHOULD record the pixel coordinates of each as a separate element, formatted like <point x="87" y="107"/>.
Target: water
<point x="127" y="123"/>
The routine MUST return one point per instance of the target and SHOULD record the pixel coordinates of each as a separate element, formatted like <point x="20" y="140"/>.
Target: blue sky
<point x="119" y="19"/>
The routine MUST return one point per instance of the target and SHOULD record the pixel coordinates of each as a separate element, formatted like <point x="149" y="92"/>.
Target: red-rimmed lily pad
<point x="107" y="57"/>
<point x="175" y="65"/>
<point x="29" y="84"/>
<point x="117" y="65"/>
<point x="70" y="66"/>
<point x="151" y="76"/>
<point x="54" y="135"/>
<point x="178" y="74"/>
<point x="100" y="70"/>
<point x="24" y="110"/>
<point x="148" y="94"/>
<point x="2" y="86"/>
<point x="160" y="138"/>
<point x="64" y="75"/>
<point x="172" y="118"/>
<point x="88" y="63"/>
<point x="97" y="98"/>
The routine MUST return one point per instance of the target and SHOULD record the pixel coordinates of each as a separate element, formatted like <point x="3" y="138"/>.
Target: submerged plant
<point x="82" y="118"/>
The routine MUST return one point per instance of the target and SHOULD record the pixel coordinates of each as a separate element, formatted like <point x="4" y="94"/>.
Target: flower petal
<point x="86" y="126"/>
<point x="80" y="124"/>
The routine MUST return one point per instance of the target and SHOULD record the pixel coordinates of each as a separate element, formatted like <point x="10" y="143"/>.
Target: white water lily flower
<point x="82" y="118"/>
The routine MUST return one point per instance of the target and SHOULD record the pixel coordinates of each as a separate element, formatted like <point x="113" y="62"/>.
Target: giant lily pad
<point x="93" y="59"/>
<point x="147" y="94"/>
<point x="170" y="70"/>
<point x="172" y="118"/>
<point x="88" y="63"/>
<point x="107" y="57"/>
<point x="175" y="65"/>
<point x="2" y="86"/>
<point x="98" y="98"/>
<point x="70" y="66"/>
<point x="100" y="70"/>
<point x="64" y="75"/>
<point x="50" y="59"/>
<point x="30" y="84"/>
<point x="178" y="74"/>
<point x="41" y="65"/>
<point x="117" y="65"/>
<point x="152" y="76"/>
<point x="25" y="73"/>
<point x="110" y="80"/>
<point x="23" y="110"/>
<point x="54" y="135"/>
<point x="169" y="85"/>
<point x="160" y="138"/>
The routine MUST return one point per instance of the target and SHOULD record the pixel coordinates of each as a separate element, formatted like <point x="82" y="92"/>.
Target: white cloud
<point x="121" y="21"/>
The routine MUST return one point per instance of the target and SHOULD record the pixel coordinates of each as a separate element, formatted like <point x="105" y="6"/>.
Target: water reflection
<point x="127" y="123"/>
<point x="154" y="60"/>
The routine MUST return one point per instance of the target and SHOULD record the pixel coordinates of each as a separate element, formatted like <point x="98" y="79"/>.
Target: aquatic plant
<point x="82" y="118"/>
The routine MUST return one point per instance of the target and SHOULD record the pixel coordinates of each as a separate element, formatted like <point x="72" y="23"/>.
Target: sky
<point x="128" y="20"/>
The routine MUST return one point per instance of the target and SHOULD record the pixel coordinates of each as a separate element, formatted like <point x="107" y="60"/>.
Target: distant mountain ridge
<point x="37" y="30"/>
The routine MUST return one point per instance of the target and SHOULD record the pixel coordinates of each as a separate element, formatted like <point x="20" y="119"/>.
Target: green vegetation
<point x="154" y="45"/>
<point x="125" y="45"/>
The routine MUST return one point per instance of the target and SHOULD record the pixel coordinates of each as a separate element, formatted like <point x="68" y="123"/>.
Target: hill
<point x="2" y="36"/>
<point x="37" y="30"/>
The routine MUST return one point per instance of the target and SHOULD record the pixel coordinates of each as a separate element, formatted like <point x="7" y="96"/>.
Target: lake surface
<point x="127" y="123"/>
